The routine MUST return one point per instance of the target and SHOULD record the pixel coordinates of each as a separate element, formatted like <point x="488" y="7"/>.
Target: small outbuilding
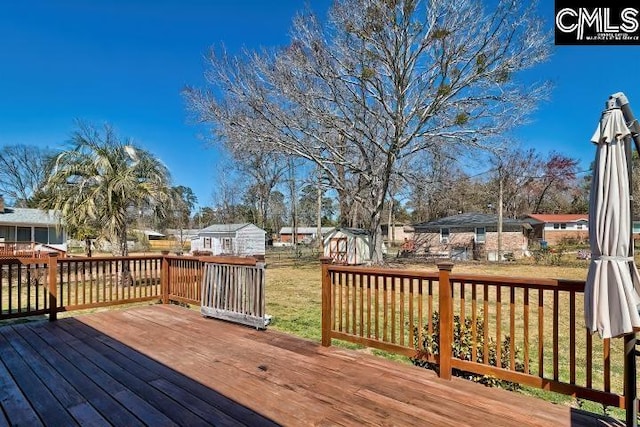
<point x="230" y="239"/>
<point x="348" y="246"/>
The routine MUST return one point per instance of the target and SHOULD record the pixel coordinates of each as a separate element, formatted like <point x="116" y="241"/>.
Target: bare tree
<point x="23" y="170"/>
<point x="378" y="83"/>
<point x="265" y="171"/>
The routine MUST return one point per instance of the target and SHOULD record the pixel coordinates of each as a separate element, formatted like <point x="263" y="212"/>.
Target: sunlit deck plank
<point x="167" y="365"/>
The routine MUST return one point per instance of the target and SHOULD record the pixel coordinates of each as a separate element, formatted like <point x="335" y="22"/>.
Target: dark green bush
<point x="462" y="348"/>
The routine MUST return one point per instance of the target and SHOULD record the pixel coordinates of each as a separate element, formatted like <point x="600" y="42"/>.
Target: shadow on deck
<point x="166" y="365"/>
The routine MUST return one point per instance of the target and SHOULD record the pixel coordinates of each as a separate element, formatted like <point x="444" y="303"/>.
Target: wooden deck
<point x="166" y="365"/>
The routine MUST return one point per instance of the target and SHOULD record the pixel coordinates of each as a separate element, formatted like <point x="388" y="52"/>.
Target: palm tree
<point x="102" y="181"/>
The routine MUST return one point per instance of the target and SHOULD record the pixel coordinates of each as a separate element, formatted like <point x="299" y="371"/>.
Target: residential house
<point x="396" y="234"/>
<point x="25" y="225"/>
<point x="230" y="239"/>
<point x="554" y="229"/>
<point x="471" y="236"/>
<point x="303" y="234"/>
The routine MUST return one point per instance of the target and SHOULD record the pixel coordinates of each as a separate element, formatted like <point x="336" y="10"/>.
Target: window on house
<point x="23" y="234"/>
<point x="563" y="226"/>
<point x="444" y="235"/>
<point x="556" y="226"/>
<point x="226" y="244"/>
<point x="579" y="226"/>
<point x="41" y="235"/>
<point x="55" y="235"/>
<point x="207" y="242"/>
<point x="481" y="234"/>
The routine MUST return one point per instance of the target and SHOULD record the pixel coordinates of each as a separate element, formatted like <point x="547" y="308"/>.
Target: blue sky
<point x="125" y="62"/>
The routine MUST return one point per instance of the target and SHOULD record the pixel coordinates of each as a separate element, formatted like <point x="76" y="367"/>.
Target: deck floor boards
<point x="166" y="365"/>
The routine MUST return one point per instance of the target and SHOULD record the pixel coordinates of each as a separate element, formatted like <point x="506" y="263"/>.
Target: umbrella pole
<point x="630" y="380"/>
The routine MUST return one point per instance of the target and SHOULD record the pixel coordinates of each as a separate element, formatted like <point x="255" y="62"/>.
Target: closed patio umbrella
<point x="611" y="292"/>
<point x="611" y="296"/>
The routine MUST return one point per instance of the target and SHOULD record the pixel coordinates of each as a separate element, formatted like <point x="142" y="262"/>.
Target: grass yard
<point x="294" y="301"/>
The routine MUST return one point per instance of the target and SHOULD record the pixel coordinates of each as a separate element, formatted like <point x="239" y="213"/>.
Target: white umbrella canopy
<point x="611" y="293"/>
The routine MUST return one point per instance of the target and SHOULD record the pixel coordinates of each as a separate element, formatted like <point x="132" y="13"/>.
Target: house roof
<point x="546" y="218"/>
<point x="151" y="233"/>
<point x="305" y="230"/>
<point x="225" y="228"/>
<point x="354" y="231"/>
<point x="27" y="216"/>
<point x="466" y="220"/>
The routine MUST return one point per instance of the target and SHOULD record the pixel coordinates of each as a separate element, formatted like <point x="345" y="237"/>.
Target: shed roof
<point x="471" y="219"/>
<point x="353" y="231"/>
<point x="305" y="230"/>
<point x="27" y="216"/>
<point x="226" y="228"/>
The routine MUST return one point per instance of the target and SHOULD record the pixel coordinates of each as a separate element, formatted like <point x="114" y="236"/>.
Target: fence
<point x="39" y="286"/>
<point x="526" y="331"/>
<point x="18" y="249"/>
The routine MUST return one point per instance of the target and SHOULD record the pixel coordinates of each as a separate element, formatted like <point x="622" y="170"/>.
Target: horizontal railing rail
<point x="521" y="330"/>
<point x="47" y="286"/>
<point x="18" y="249"/>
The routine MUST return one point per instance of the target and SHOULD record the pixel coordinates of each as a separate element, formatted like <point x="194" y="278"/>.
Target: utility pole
<point x="319" y="235"/>
<point x="500" y="191"/>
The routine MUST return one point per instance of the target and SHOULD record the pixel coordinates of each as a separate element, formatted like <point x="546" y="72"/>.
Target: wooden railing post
<point x="52" y="263"/>
<point x="445" y="306"/>
<point x="326" y="302"/>
<point x="164" y="280"/>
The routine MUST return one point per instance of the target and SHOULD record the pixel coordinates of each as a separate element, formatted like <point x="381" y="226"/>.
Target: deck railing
<point x="18" y="249"/>
<point x="525" y="331"/>
<point x="39" y="286"/>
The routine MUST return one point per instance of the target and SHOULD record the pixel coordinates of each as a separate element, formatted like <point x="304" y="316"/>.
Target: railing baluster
<point x="556" y="369"/>
<point x="540" y="333"/>
<point x="526" y="330"/>
<point x="572" y="337"/>
<point x="512" y="329"/>
<point x="474" y="320"/>
<point x="361" y="282"/>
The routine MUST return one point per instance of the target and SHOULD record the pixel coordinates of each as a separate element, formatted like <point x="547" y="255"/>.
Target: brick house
<point x="558" y="228"/>
<point x="471" y="236"/>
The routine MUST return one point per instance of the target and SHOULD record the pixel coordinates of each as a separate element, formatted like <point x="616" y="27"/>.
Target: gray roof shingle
<point x="26" y="216"/>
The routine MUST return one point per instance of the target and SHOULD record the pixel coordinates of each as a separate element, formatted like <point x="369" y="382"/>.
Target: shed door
<point x="338" y="250"/>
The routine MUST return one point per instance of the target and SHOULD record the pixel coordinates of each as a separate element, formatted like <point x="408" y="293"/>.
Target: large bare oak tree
<point x="376" y="83"/>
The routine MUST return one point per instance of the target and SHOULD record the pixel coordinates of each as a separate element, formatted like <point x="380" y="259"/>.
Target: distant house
<point x="396" y="234"/>
<point x="556" y="228"/>
<point x="303" y="234"/>
<point x="32" y="225"/>
<point x="348" y="246"/>
<point x="151" y="234"/>
<point x="471" y="236"/>
<point x="230" y="239"/>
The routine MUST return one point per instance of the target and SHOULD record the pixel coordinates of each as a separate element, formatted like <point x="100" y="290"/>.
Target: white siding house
<point x="230" y="239"/>
<point x="32" y="225"/>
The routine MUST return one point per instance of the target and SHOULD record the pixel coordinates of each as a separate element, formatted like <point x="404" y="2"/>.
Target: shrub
<point x="462" y="348"/>
<point x="548" y="256"/>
